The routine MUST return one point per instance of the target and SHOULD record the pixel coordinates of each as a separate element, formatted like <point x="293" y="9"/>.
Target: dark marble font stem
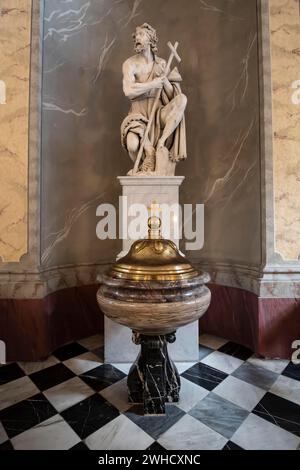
<point x="153" y="378"/>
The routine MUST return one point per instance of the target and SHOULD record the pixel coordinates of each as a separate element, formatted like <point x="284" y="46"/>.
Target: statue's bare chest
<point x="142" y="71"/>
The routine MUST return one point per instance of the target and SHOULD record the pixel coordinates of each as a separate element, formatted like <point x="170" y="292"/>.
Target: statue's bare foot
<point x="148" y="164"/>
<point x="141" y="172"/>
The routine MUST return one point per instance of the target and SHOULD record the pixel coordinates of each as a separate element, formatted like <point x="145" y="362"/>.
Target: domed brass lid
<point x="153" y="259"/>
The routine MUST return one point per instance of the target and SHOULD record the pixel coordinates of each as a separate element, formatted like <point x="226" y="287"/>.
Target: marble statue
<point x="153" y="132"/>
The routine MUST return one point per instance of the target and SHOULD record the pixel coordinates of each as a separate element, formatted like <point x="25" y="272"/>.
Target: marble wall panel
<point x="85" y="44"/>
<point x="285" y="48"/>
<point x="15" y="37"/>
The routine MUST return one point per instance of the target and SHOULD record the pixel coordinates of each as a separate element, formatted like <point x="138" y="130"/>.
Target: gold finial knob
<point x="154" y="224"/>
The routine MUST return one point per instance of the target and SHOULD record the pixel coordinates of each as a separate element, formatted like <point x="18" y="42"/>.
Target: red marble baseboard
<point x="232" y="314"/>
<point x="267" y="326"/>
<point x="33" y="328"/>
<point x="279" y="326"/>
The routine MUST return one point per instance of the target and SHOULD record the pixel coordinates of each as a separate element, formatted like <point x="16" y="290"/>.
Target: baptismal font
<point x="152" y="288"/>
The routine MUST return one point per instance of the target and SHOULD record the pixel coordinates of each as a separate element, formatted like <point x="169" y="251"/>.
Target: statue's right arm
<point x="131" y="88"/>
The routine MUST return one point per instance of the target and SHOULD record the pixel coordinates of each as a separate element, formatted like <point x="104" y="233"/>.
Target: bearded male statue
<point x="146" y="81"/>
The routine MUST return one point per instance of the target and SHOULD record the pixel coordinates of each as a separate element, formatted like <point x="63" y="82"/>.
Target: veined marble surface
<point x="15" y="33"/>
<point x="285" y="41"/>
<point x="85" y="44"/>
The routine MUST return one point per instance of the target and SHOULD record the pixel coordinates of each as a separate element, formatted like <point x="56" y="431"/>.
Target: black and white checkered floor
<point x="229" y="400"/>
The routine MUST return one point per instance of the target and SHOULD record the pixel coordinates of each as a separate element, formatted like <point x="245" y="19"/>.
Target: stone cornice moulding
<point x="38" y="284"/>
<point x="277" y="282"/>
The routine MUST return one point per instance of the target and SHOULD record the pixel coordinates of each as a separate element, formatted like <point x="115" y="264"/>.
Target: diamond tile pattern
<point x="229" y="400"/>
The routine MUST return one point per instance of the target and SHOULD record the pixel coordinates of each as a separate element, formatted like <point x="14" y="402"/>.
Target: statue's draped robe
<point x="139" y="113"/>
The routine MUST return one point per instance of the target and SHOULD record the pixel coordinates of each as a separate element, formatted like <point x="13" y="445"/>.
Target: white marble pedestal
<point x="118" y="346"/>
<point x="163" y="190"/>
